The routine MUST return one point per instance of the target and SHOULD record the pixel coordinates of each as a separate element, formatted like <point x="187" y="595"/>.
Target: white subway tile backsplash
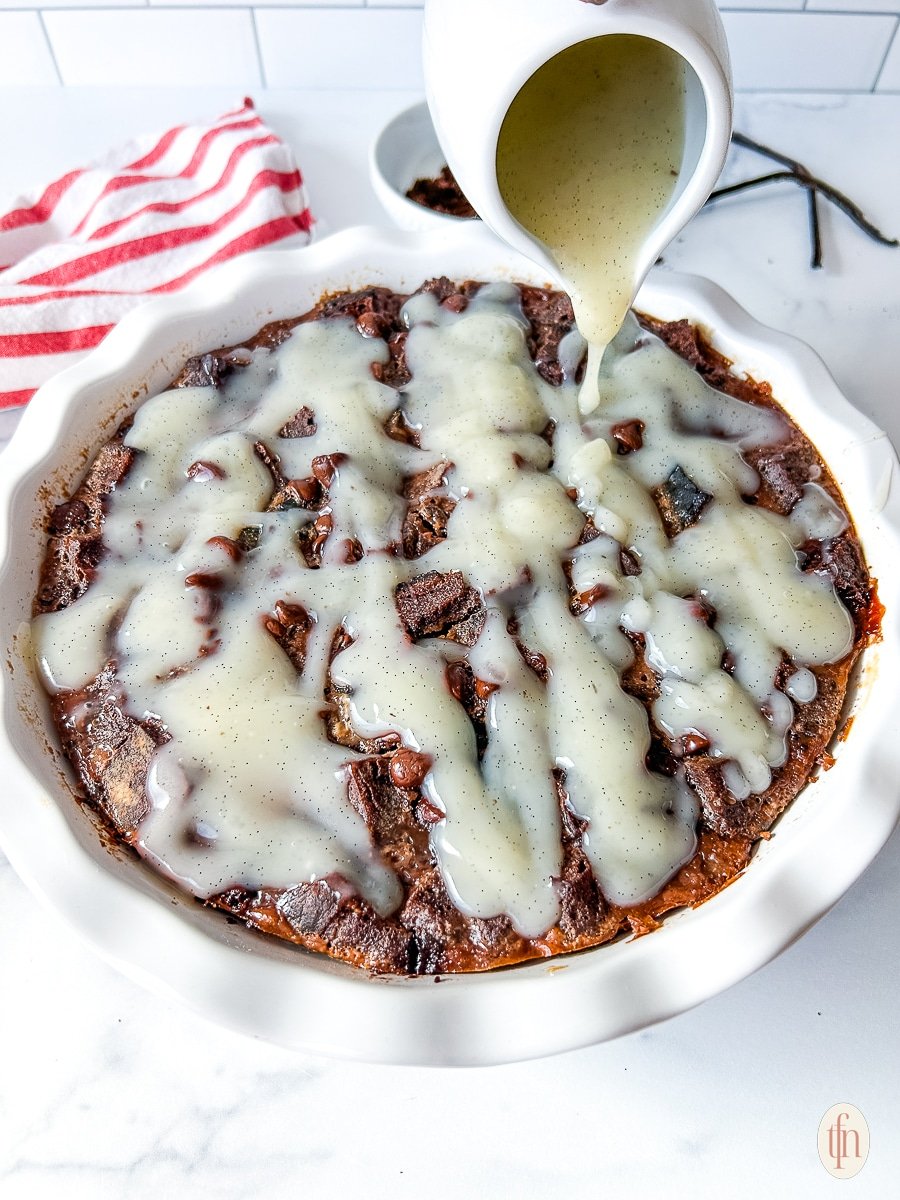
<point x="725" y="5"/>
<point x="779" y="45"/>
<point x="244" y="3"/>
<point x="303" y="47"/>
<point x="155" y="46"/>
<point x="24" y="55"/>
<point x="807" y="51"/>
<point x="844" y="6"/>
<point x="72" y="3"/>
<point x="768" y="5"/>
<point x="854" y="6"/>
<point x="889" y="80"/>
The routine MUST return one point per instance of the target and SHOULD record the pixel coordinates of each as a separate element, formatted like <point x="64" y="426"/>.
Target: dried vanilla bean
<point x="797" y="173"/>
<point x="815" y="232"/>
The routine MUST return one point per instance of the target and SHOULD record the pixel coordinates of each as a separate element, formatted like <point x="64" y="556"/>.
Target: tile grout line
<point x="813" y="12"/>
<point x="367" y="6"/>
<point x="50" y="50"/>
<point x="416" y="93"/>
<point x="887" y="52"/>
<point x="169" y="6"/>
<point x="259" y="56"/>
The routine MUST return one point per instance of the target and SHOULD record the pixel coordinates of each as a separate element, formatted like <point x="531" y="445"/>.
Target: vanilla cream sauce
<point x="249" y="764"/>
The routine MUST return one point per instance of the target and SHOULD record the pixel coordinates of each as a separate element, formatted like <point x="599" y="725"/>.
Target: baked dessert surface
<point x="404" y="910"/>
<point x="442" y="194"/>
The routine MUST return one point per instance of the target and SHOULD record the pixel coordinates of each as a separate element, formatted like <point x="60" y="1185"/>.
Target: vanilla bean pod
<point x="741" y="139"/>
<point x="814" y="231"/>
<point x="797" y="173"/>
<point x="746" y="184"/>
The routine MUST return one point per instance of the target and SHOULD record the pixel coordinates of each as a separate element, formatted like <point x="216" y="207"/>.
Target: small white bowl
<point x="272" y="990"/>
<point x="407" y="149"/>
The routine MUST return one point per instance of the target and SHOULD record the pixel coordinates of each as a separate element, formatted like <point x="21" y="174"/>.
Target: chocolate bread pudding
<point x="360" y="633"/>
<point x="442" y="194"/>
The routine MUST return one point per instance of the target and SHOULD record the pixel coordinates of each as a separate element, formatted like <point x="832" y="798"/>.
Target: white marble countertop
<point x="106" y="1091"/>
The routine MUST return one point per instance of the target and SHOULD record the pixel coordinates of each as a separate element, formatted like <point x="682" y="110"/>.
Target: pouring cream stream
<point x="587" y="161"/>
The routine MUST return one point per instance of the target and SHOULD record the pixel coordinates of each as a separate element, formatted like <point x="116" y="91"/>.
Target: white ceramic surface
<point x="478" y="55"/>
<point x="822" y="844"/>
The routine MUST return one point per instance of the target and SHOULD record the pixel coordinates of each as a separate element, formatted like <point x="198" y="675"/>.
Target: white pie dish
<point x="274" y="991"/>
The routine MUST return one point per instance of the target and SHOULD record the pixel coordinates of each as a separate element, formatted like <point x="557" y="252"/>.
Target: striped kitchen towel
<point x="146" y="220"/>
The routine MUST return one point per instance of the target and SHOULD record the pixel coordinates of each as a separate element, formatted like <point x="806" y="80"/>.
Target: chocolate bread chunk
<point x="840" y="560"/>
<point x="441" y="605"/>
<point x="109" y="749"/>
<point x="680" y="502"/>
<point x="442" y="194"/>
<point x="428" y="511"/>
<point x="75" y="546"/>
<point x="550" y="317"/>
<point x="302" y="424"/>
<point x="473" y="694"/>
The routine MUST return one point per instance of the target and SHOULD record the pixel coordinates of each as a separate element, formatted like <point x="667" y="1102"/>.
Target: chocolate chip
<point x="397" y="428"/>
<point x="202" y="472"/>
<point x="373" y="325"/>
<point x="312" y="537"/>
<point x="580" y="603"/>
<point x="428" y="813"/>
<point x="628" y="436"/>
<point x="228" y="545"/>
<point x="298" y="493"/>
<point x="408" y="768"/>
<point x="325" y="467"/>
<point x="690" y="743"/>
<point x="204" y="579"/>
<point x="290" y="625"/>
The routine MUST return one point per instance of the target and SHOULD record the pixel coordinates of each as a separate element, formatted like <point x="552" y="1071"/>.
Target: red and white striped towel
<point x="146" y="220"/>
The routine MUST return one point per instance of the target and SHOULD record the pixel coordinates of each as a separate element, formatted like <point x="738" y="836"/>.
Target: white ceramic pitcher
<point x="479" y="53"/>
